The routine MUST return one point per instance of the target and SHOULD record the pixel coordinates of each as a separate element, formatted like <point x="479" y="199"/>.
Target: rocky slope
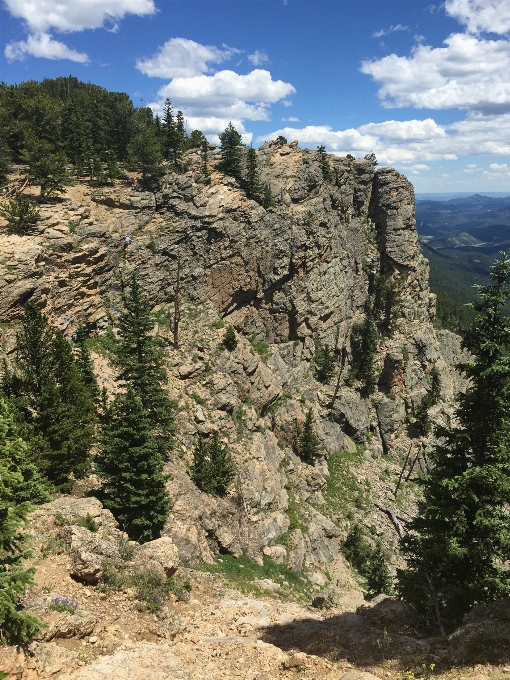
<point x="288" y="278"/>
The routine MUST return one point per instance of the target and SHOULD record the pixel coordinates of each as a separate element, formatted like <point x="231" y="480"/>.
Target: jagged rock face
<point x="297" y="270"/>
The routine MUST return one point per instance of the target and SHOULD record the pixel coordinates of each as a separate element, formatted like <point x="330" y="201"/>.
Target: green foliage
<point x="231" y="152"/>
<point x="372" y="158"/>
<point x="369" y="561"/>
<point x="252" y="182"/>
<point x="47" y="168"/>
<point x="262" y="349"/>
<point x="84" y="363"/>
<point x="325" y="362"/>
<point x="364" y="342"/>
<point x="18" y="481"/>
<point x="131" y="469"/>
<point x="213" y="468"/>
<point x="457" y="546"/>
<point x="242" y="571"/>
<point x="63" y="604"/>
<point x="308" y="445"/>
<point x="452" y="314"/>
<point x="88" y="522"/>
<point x="199" y="400"/>
<point x="144" y="151"/>
<point x="325" y="168"/>
<point x="53" y="405"/>
<point x="5" y="159"/>
<point x="139" y="357"/>
<point x="342" y="492"/>
<point x="281" y="140"/>
<point x="20" y="214"/>
<point x="230" y="339"/>
<point x="430" y="399"/>
<point x="267" y="197"/>
<point x="204" y="158"/>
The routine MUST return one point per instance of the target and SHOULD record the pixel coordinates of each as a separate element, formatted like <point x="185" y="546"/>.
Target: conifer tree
<point x="213" y="468"/>
<point x="308" y="444"/>
<point x="231" y="151"/>
<point x="204" y="157"/>
<point x="364" y="343"/>
<point x="131" y="469"/>
<point x="267" y="197"/>
<point x="19" y="487"/>
<point x="230" y="338"/>
<point x="252" y="182"/>
<point x="84" y="363"/>
<point x="139" y="356"/>
<point x="47" y="167"/>
<point x="145" y="153"/>
<point x="5" y="159"/>
<point x="326" y="170"/>
<point x="173" y="141"/>
<point x="325" y="362"/>
<point x="458" y="545"/>
<point x="20" y="214"/>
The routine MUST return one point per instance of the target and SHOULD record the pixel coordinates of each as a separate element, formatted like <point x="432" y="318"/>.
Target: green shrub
<point x="64" y="604"/>
<point x="230" y="339"/>
<point x="325" y="361"/>
<point x="213" y="468"/>
<point x="20" y="213"/>
<point x="308" y="444"/>
<point x="369" y="561"/>
<point x="87" y="522"/>
<point x="262" y="349"/>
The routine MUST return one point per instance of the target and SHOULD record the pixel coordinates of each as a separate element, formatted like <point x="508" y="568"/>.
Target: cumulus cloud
<point x="467" y="73"/>
<point x="391" y="29"/>
<point x="210" y="100"/>
<point x="291" y="119"/>
<point x="258" y="58"/>
<point x="43" y="45"/>
<point x="396" y="142"/>
<point x="481" y="15"/>
<point x="182" y="58"/>
<point x="499" y="167"/>
<point x="67" y="16"/>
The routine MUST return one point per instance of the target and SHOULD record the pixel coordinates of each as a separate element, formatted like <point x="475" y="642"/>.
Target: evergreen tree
<point x="326" y="170"/>
<point x="20" y="214"/>
<point x="458" y="545"/>
<point x="325" y="364"/>
<point x="230" y="338"/>
<point x="204" y="157"/>
<point x="173" y="142"/>
<point x="267" y="197"/>
<point x="282" y="141"/>
<point x="139" y="356"/>
<point x="144" y="151"/>
<point x="252" y="182"/>
<point x="213" y="468"/>
<point x="231" y="151"/>
<point x="5" y="159"/>
<point x="372" y="158"/>
<point x="195" y="140"/>
<point x="364" y="344"/>
<point x="308" y="444"/>
<point x="84" y="363"/>
<point x="47" y="168"/>
<point x="377" y="573"/>
<point x="54" y="407"/>
<point x="131" y="469"/>
<point x="19" y="486"/>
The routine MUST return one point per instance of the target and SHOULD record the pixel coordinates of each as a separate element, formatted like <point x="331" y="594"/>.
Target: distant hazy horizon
<point x="448" y="195"/>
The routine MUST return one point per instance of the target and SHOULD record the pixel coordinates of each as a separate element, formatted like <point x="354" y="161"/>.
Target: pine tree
<point x="377" y="573"/>
<point x="19" y="487"/>
<point x="5" y="160"/>
<point x="84" y="363"/>
<point x="326" y="170"/>
<point x="372" y="158"/>
<point x="230" y="338"/>
<point x="131" y="469"/>
<point x="458" y="545"/>
<point x="53" y="407"/>
<point x="308" y="444"/>
<point x="364" y="344"/>
<point x="47" y="167"/>
<point x="20" y="214"/>
<point x="213" y="468"/>
<point x="231" y="151"/>
<point x="325" y="362"/>
<point x="139" y="356"/>
<point x="267" y="197"/>
<point x="144" y="151"/>
<point x="173" y="139"/>
<point x="252" y="182"/>
<point x="204" y="158"/>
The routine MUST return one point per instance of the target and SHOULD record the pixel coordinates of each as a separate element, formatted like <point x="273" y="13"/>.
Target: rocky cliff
<point x="288" y="278"/>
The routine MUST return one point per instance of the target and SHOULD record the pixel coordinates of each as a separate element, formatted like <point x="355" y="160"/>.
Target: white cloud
<point x="291" y="119"/>
<point x="66" y="16"/>
<point x="43" y="45"/>
<point x="420" y="166"/>
<point x="481" y="15"/>
<point x="387" y="31"/>
<point x="396" y="142"/>
<point x="75" y="15"/>
<point x="466" y="73"/>
<point x="499" y="167"/>
<point x="182" y="58"/>
<point x="210" y="101"/>
<point x="258" y="58"/>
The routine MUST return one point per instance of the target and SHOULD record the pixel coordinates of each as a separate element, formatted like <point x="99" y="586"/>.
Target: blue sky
<point x="426" y="86"/>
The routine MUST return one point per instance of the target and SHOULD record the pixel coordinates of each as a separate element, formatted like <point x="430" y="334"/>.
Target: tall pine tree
<point x="458" y="545"/>
<point x="139" y="357"/>
<point x="131" y="468"/>
<point x="231" y="151"/>
<point x="252" y="183"/>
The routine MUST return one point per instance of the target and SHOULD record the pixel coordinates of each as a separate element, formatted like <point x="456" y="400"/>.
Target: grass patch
<point x="241" y="572"/>
<point x="198" y="399"/>
<point x="262" y="349"/>
<point x="343" y="493"/>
